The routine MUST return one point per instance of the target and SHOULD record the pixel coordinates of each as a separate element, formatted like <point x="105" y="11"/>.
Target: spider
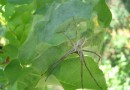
<point x="77" y="48"/>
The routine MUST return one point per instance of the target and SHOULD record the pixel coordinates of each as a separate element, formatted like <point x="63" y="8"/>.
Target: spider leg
<point x="72" y="43"/>
<point x="69" y="25"/>
<point x="63" y="32"/>
<point x="76" y="29"/>
<point x="81" y="61"/>
<point x="93" y="53"/>
<point x="54" y="65"/>
<point x="90" y="72"/>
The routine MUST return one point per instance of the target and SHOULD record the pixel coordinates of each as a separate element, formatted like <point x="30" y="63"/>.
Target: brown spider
<point x="77" y="49"/>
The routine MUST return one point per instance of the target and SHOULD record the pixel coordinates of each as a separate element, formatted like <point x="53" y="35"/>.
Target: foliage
<point x="39" y="32"/>
<point x="116" y="52"/>
<point x="120" y="13"/>
<point x="116" y="59"/>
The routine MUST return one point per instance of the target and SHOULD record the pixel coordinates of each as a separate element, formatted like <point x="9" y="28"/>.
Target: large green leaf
<point x="62" y="16"/>
<point x="104" y="14"/>
<point x="65" y="12"/>
<point x="48" y="32"/>
<point x="68" y="74"/>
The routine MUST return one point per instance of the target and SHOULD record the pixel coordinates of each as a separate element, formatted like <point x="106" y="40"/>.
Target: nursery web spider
<point x="77" y="49"/>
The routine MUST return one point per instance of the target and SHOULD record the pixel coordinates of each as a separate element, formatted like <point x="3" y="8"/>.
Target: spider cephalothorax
<point x="79" y="45"/>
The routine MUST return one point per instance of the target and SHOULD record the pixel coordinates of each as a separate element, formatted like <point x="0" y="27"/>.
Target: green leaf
<point x="10" y="35"/>
<point x="104" y="14"/>
<point x="28" y="78"/>
<point x="47" y="31"/>
<point x="21" y="21"/>
<point x="94" y="43"/>
<point x="2" y="2"/>
<point x="3" y="79"/>
<point x="51" y="84"/>
<point x="41" y="6"/>
<point x="14" y="87"/>
<point x="19" y="1"/>
<point x="22" y="15"/>
<point x="9" y="10"/>
<point x="69" y="72"/>
<point x="26" y="17"/>
<point x="12" y="71"/>
<point x="11" y="51"/>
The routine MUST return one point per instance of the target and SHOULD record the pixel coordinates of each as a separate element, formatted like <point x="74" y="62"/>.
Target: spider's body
<point x="79" y="45"/>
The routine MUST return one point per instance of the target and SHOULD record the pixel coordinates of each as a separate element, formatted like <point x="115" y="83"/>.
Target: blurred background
<point x="116" y="49"/>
